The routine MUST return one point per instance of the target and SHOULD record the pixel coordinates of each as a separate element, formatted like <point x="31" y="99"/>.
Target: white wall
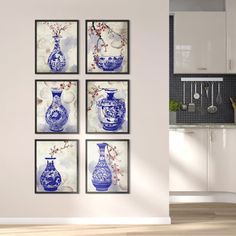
<point x="149" y="195"/>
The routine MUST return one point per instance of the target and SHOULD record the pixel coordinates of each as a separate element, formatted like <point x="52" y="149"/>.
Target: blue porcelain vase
<point x="111" y="111"/>
<point x="102" y="175"/>
<point x="50" y="179"/>
<point x="108" y="63"/>
<point x="57" y="60"/>
<point x="56" y="115"/>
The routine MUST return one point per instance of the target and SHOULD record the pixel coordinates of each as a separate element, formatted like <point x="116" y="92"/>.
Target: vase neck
<point x="50" y="163"/>
<point x="56" y="92"/>
<point x="110" y="93"/>
<point x="102" y="147"/>
<point x="56" y="96"/>
<point x="57" y="42"/>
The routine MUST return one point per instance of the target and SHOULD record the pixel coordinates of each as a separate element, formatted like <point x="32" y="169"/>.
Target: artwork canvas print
<point x="107" y="166"/>
<point x="107" y="106"/>
<point x="56" y="46"/>
<point x="56" y="166"/>
<point x="107" y="47"/>
<point x="56" y="103"/>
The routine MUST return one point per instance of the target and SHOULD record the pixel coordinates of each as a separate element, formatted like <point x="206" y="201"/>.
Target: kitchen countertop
<point x="204" y="126"/>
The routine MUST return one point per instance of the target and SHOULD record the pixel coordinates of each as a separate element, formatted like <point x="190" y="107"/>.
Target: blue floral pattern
<point x="50" y="179"/>
<point x="56" y="115"/>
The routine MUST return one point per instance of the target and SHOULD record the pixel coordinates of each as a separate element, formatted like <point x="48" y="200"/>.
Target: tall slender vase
<point x="111" y="111"/>
<point x="102" y="175"/>
<point x="57" y="60"/>
<point x="50" y="179"/>
<point x="56" y="115"/>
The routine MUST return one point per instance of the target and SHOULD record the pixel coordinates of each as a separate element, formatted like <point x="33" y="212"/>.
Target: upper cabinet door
<point x="231" y="35"/>
<point x="200" y="42"/>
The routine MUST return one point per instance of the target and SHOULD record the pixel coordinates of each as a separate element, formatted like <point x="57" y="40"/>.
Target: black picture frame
<point x="78" y="48"/>
<point x="128" y="165"/>
<point x="128" y="46"/>
<point x="128" y="103"/>
<point x="35" y="165"/>
<point x="78" y="104"/>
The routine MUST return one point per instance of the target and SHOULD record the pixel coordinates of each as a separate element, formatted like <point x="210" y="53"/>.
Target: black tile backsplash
<point x="224" y="113"/>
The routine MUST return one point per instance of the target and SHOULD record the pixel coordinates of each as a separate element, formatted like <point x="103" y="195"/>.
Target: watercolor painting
<point x="107" y="106"/>
<point x="56" y="166"/>
<point x="107" y="166"/>
<point x="56" y="103"/>
<point x="56" y="46"/>
<point x="107" y="47"/>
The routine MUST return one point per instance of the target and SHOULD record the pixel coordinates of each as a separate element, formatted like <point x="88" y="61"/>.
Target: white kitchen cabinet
<point x="231" y="35"/>
<point x="188" y="159"/>
<point x="222" y="160"/>
<point x="200" y="42"/>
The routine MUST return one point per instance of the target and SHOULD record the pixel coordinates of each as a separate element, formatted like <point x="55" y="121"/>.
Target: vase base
<point x="111" y="128"/>
<point x="56" y="130"/>
<point x="51" y="189"/>
<point x="101" y="189"/>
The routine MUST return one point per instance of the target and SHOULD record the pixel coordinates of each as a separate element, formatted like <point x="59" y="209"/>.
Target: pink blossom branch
<point x="94" y="92"/>
<point x="112" y="156"/>
<point x="54" y="150"/>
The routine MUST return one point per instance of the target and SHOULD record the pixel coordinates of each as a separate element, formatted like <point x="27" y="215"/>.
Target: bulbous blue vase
<point x="102" y="176"/>
<point x="50" y="179"/>
<point x="111" y="111"/>
<point x="56" y="59"/>
<point x="56" y="115"/>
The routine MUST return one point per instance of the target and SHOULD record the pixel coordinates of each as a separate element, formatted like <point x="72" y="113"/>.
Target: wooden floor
<point x="187" y="219"/>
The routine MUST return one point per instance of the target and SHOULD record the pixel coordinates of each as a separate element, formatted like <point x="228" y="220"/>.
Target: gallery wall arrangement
<point x="57" y="102"/>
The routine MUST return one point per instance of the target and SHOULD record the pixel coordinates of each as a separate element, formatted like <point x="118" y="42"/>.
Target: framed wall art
<point x="107" y="166"/>
<point x="56" y="106"/>
<point x="107" y="46"/>
<point x="56" y="47"/>
<point x="107" y="106"/>
<point x="56" y="166"/>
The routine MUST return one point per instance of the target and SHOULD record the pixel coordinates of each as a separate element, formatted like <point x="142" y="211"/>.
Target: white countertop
<point x="204" y="125"/>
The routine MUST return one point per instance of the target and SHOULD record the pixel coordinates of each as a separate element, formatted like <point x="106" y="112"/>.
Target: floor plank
<point x="216" y="219"/>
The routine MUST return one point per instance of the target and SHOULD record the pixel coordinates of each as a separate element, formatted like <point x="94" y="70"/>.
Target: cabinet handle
<point x="185" y="131"/>
<point x="211" y="137"/>
<point x="202" y="68"/>
<point x="230" y="64"/>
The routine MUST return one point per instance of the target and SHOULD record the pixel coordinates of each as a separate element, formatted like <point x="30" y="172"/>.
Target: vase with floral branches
<point x="57" y="59"/>
<point x="50" y="178"/>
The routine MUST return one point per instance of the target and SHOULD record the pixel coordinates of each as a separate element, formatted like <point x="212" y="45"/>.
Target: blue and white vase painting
<point x="56" y="47"/>
<point x="108" y="166"/>
<point x="56" y="106"/>
<point x="50" y="179"/>
<point x="102" y="175"/>
<point x="57" y="59"/>
<point x="56" y="166"/>
<point x="107" y="46"/>
<point x="107" y="106"/>
<point x="56" y="115"/>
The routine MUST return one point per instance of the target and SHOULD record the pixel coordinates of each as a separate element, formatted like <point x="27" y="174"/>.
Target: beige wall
<point x="149" y="195"/>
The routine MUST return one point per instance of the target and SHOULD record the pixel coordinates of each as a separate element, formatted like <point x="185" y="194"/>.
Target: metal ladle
<point x="212" y="109"/>
<point x="184" y="107"/>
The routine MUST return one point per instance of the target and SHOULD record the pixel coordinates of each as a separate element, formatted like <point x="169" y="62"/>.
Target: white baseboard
<point x="89" y="220"/>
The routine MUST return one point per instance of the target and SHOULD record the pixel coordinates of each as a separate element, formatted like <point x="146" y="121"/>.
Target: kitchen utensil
<point x="206" y="87"/>
<point x="196" y="94"/>
<point x="184" y="106"/>
<point x="191" y="105"/>
<point x="212" y="109"/>
<point x="201" y="97"/>
<point x="218" y="97"/>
